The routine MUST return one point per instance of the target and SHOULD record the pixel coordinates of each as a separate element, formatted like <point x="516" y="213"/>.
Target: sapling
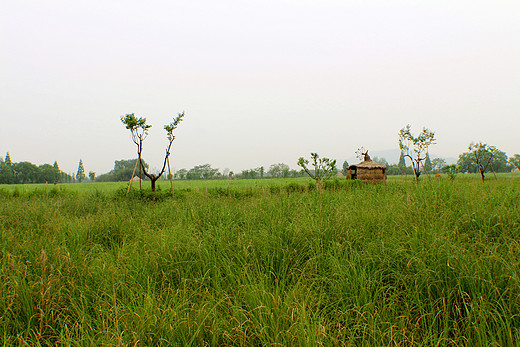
<point x="451" y="170"/>
<point x="139" y="130"/>
<point x="482" y="154"/>
<point x="415" y="148"/>
<point x="324" y="168"/>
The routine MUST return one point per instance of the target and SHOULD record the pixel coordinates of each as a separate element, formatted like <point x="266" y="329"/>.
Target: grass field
<point x="262" y="262"/>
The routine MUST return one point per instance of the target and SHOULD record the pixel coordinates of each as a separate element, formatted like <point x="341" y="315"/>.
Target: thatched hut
<point x="367" y="171"/>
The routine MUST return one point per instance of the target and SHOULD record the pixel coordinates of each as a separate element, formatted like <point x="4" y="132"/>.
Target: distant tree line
<point x="206" y="172"/>
<point x="492" y="160"/>
<point x="26" y="172"/>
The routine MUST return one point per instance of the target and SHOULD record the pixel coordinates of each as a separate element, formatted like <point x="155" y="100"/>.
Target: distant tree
<point x="344" y="170"/>
<point x="200" y="172"/>
<point x="26" y="172"/>
<point x="262" y="172"/>
<point x="231" y="174"/>
<point x="139" y="130"/>
<point x="482" y="154"/>
<point x="381" y="161"/>
<point x="428" y="164"/>
<point x="92" y="176"/>
<point x="402" y="164"/>
<point x="285" y="171"/>
<point x="279" y="170"/>
<point x="323" y="168"/>
<point x="181" y="174"/>
<point x="249" y="174"/>
<point x="80" y="175"/>
<point x="438" y="164"/>
<point x="8" y="161"/>
<point x="6" y="172"/>
<point x="294" y="173"/>
<point x="487" y="157"/>
<point x="46" y="174"/>
<point x="515" y="161"/>
<point x="415" y="148"/>
<point x="467" y="163"/>
<point x="122" y="171"/>
<point x="57" y="172"/>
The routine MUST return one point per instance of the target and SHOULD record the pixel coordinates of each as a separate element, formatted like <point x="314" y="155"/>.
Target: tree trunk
<point x="153" y="184"/>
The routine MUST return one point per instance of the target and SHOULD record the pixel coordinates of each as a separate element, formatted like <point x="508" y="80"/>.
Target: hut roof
<point x="368" y="164"/>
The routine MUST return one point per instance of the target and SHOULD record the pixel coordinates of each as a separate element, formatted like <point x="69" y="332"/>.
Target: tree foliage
<point x="438" y="164"/>
<point x="139" y="131"/>
<point x="321" y="168"/>
<point x="482" y="158"/>
<point x="202" y="172"/>
<point x="279" y="170"/>
<point x="515" y="161"/>
<point x="80" y="175"/>
<point x="415" y="148"/>
<point x="451" y="170"/>
<point x="26" y="172"/>
<point x="122" y="171"/>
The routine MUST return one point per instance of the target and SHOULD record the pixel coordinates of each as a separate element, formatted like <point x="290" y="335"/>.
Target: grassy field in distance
<point x="221" y="183"/>
<point x="262" y="262"/>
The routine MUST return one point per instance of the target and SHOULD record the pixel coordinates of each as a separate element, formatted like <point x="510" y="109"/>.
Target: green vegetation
<point x="26" y="172"/>
<point x="139" y="131"/>
<point x="262" y="262"/>
<point x="416" y="148"/>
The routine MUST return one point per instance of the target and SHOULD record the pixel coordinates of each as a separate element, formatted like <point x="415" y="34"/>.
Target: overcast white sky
<point x="261" y="82"/>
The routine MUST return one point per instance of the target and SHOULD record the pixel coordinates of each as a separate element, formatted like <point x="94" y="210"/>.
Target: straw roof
<point x="368" y="164"/>
<point x="367" y="171"/>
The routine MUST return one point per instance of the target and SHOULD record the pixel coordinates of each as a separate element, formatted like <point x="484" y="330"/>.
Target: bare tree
<point x="139" y="130"/>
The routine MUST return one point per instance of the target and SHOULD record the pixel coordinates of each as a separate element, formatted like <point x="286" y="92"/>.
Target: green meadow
<point x="262" y="262"/>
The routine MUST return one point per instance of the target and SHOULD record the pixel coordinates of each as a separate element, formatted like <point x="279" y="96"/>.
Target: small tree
<point x="451" y="170"/>
<point x="438" y="164"/>
<point x="139" y="130"/>
<point x="344" y="171"/>
<point x="515" y="161"/>
<point x="92" y="176"/>
<point x="415" y="148"/>
<point x="80" y="175"/>
<point x="402" y="164"/>
<point x="428" y="164"/>
<point x="482" y="156"/>
<point x="8" y="160"/>
<point x="324" y="168"/>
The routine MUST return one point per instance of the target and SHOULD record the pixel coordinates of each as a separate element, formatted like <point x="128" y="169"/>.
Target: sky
<point x="260" y="82"/>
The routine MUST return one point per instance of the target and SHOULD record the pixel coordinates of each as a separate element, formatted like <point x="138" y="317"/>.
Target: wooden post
<point x="170" y="174"/>
<point x="131" y="179"/>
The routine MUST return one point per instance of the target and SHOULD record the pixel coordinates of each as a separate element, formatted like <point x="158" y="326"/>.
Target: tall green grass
<point x="430" y="264"/>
